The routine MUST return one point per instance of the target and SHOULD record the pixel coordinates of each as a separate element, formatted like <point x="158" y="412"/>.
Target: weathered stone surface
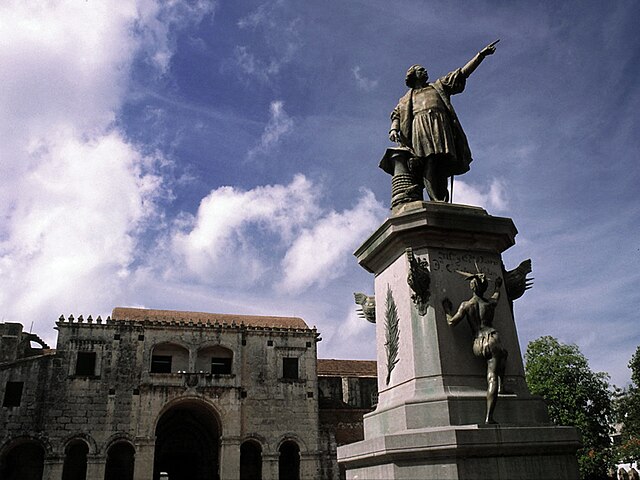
<point x="122" y="399"/>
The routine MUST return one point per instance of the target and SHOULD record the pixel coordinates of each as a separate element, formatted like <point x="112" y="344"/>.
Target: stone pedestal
<point x="432" y="389"/>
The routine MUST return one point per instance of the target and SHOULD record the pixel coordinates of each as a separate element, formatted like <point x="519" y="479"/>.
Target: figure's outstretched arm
<point x="472" y="64"/>
<point x="448" y="308"/>
<point x="496" y="292"/>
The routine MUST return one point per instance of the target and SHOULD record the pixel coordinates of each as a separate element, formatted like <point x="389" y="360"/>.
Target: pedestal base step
<point x="465" y="452"/>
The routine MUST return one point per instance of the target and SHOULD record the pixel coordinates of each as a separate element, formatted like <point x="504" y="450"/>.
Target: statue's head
<point x="478" y="284"/>
<point x="416" y="76"/>
<point x="478" y="281"/>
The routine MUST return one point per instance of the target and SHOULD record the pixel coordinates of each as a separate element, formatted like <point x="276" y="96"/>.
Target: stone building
<point x="348" y="389"/>
<point x="156" y="394"/>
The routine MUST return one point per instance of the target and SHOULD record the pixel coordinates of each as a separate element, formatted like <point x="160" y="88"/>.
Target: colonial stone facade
<point x="198" y="396"/>
<point x="153" y="394"/>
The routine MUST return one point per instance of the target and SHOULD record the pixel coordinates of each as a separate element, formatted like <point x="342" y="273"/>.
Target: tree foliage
<point x="576" y="396"/>
<point x="628" y="414"/>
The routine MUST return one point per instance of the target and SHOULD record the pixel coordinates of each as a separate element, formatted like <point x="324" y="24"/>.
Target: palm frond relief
<point x="392" y="333"/>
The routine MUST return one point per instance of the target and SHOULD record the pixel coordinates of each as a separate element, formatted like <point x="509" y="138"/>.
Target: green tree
<point x="628" y="414"/>
<point x="576" y="396"/>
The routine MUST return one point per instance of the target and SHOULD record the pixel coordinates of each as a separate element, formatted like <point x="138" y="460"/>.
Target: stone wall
<point x="118" y="399"/>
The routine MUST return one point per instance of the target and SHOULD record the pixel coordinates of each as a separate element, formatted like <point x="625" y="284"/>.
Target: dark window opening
<point x="13" y="394"/>
<point x="86" y="364"/>
<point x="269" y="343"/>
<point x="289" y="461"/>
<point x="250" y="461"/>
<point x="161" y="364"/>
<point x="75" y="461"/>
<point x="120" y="462"/>
<point x="290" y="367"/>
<point x="221" y="365"/>
<point x="141" y="337"/>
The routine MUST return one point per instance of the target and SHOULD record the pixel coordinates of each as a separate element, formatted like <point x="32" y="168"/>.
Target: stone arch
<point x="290" y="436"/>
<point x="188" y="433"/>
<point x="86" y="438"/>
<point x="169" y="357"/>
<point x="214" y="358"/>
<point x="119" y="437"/>
<point x="76" y="452"/>
<point x="120" y="460"/>
<point x="289" y="460"/>
<point x="251" y="459"/>
<point x="22" y="458"/>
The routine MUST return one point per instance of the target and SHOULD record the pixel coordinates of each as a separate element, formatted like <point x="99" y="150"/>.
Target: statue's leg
<point x="492" y="387"/>
<point x="434" y="180"/>
<point x="429" y="174"/>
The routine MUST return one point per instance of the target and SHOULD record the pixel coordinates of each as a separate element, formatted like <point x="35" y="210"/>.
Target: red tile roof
<point x="347" y="368"/>
<point x="168" y="316"/>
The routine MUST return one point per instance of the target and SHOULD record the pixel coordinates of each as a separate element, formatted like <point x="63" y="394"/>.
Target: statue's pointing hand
<point x="489" y="49"/>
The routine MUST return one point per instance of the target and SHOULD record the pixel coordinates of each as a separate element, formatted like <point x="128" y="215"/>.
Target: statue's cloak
<point x="457" y="163"/>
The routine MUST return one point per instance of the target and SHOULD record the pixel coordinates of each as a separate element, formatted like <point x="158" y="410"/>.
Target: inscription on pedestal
<point x="443" y="260"/>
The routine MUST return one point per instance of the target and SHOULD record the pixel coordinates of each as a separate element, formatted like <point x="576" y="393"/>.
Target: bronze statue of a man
<point x="479" y="313"/>
<point x="425" y="122"/>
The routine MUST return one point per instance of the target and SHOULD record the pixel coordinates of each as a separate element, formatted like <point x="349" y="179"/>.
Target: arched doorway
<point x="289" y="462"/>
<point x="23" y="461"/>
<point x="120" y="462"/>
<point x="250" y="461"/>
<point x="75" y="461"/>
<point x="187" y="443"/>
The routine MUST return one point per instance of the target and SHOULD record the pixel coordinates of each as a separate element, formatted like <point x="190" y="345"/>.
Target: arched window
<point x="250" y="461"/>
<point x="289" y="462"/>
<point x="75" y="461"/>
<point x="120" y="462"/>
<point x="25" y="461"/>
<point x="169" y="358"/>
<point x="215" y="360"/>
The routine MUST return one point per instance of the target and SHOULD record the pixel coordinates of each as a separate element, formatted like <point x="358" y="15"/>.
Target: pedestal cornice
<point x="434" y="224"/>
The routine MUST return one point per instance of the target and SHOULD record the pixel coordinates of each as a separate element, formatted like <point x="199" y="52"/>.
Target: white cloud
<point x="492" y="197"/>
<point x="278" y="126"/>
<point x="363" y="82"/>
<point x="73" y="231"/>
<point x="320" y="254"/>
<point x="276" y="231"/>
<point x="249" y="64"/>
<point x="216" y="244"/>
<point x="280" y="39"/>
<point x="75" y="195"/>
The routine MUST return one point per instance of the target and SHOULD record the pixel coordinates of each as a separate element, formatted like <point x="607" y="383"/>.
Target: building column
<point x="95" y="466"/>
<point x="143" y="466"/>
<point x="309" y="465"/>
<point x="230" y="458"/>
<point x="270" y="466"/>
<point x="53" y="468"/>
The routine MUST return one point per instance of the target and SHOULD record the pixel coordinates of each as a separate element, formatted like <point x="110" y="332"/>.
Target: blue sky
<point x="222" y="156"/>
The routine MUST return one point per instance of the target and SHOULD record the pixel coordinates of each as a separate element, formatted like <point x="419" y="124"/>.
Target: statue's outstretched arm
<point x="448" y="309"/>
<point x="472" y="64"/>
<point x="496" y="293"/>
